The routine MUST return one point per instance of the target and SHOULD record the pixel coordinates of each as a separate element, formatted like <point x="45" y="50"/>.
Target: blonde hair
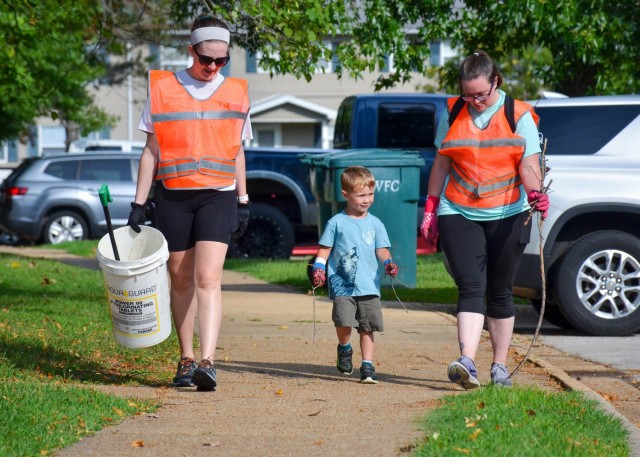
<point x="356" y="176"/>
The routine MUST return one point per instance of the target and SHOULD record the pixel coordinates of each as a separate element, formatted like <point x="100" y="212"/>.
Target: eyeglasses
<point x="207" y="61"/>
<point x="479" y="98"/>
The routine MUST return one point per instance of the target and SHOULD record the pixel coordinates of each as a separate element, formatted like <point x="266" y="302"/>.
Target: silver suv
<point x="54" y="198"/>
<point x="591" y="241"/>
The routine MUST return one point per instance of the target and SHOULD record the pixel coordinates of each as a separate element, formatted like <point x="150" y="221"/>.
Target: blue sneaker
<point x="368" y="374"/>
<point x="344" y="362"/>
<point x="463" y="371"/>
<point x="500" y="375"/>
<point x="186" y="367"/>
<point x="205" y="376"/>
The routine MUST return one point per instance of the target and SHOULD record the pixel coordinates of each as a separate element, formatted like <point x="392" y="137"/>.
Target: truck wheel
<point x="64" y="226"/>
<point x="552" y="314"/>
<point x="597" y="284"/>
<point x="269" y="235"/>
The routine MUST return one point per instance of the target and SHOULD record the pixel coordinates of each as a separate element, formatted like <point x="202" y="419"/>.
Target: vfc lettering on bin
<point x="388" y="185"/>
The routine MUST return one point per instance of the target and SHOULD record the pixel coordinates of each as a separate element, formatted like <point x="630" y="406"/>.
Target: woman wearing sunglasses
<point x="485" y="178"/>
<point x="196" y="120"/>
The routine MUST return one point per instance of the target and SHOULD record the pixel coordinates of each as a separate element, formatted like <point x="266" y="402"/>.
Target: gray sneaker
<point x="186" y="367"/>
<point x="463" y="371"/>
<point x="500" y="375"/>
<point x="205" y="377"/>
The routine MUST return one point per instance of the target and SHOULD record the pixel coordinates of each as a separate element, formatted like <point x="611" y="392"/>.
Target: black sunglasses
<point x="207" y="61"/>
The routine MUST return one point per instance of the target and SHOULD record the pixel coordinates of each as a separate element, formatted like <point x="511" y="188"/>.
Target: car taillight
<point x="14" y="190"/>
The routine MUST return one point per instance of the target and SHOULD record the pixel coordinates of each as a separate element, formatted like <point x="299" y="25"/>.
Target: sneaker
<point x="368" y="374"/>
<point x="186" y="367"/>
<point x="500" y="375"/>
<point x="463" y="371"/>
<point x="205" y="376"/>
<point x="344" y="363"/>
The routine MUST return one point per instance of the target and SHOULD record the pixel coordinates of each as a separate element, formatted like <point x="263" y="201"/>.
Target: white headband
<point x="210" y="33"/>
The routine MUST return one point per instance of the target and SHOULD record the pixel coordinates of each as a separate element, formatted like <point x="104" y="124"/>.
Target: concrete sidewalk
<point x="279" y="393"/>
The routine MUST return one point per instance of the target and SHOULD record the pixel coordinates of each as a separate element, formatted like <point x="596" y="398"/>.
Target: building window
<point x="435" y="58"/>
<point x="52" y="139"/>
<point x="251" y="62"/>
<point x="12" y="151"/>
<point x="266" y="135"/>
<point x="173" y="59"/>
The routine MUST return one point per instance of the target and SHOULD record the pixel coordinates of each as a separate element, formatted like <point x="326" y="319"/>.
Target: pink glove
<point x="390" y="268"/>
<point x="539" y="202"/>
<point x="429" y="227"/>
<point x="319" y="276"/>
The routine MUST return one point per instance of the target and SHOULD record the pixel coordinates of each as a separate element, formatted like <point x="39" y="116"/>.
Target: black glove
<point x="136" y="217"/>
<point x="243" y="220"/>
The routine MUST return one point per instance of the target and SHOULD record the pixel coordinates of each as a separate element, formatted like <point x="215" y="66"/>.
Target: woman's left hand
<point x="539" y="201"/>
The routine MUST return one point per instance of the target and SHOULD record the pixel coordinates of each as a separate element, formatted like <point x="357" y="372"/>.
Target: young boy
<point x="349" y="246"/>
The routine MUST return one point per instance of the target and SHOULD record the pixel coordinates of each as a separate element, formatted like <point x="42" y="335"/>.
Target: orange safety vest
<point x="198" y="140"/>
<point x="484" y="162"/>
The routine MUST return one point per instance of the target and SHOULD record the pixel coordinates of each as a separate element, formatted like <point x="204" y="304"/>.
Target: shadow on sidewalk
<point x="326" y="373"/>
<point x="259" y="287"/>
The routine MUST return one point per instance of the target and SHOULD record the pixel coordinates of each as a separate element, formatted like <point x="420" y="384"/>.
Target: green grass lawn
<point x="56" y="342"/>
<point x="433" y="285"/>
<point x="523" y="422"/>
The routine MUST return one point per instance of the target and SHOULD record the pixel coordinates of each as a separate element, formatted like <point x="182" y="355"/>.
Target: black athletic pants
<point x="484" y="258"/>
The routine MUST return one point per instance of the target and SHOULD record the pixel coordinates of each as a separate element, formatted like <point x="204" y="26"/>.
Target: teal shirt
<point x="525" y="128"/>
<point x="352" y="267"/>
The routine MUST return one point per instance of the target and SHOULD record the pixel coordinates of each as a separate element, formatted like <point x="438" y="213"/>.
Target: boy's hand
<point x="319" y="276"/>
<point x="390" y="268"/>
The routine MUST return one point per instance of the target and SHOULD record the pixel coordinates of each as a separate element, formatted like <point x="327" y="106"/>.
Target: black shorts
<point x="187" y="216"/>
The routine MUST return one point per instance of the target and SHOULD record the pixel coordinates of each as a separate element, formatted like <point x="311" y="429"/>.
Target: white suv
<point x="591" y="236"/>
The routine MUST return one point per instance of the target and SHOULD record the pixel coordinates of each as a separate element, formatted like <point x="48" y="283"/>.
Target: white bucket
<point x="137" y="286"/>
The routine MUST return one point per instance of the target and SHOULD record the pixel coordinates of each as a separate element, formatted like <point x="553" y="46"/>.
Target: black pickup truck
<point x="283" y="210"/>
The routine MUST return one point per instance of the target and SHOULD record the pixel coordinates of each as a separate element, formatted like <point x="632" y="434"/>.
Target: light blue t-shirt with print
<point x="526" y="128"/>
<point x="352" y="267"/>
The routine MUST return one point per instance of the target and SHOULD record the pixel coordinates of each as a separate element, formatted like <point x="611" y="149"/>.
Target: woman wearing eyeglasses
<point x="196" y="120"/>
<point x="485" y="178"/>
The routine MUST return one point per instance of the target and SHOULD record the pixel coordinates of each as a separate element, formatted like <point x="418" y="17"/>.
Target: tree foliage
<point x="594" y="44"/>
<point x="52" y="51"/>
<point x="573" y="46"/>
<point x="297" y="36"/>
<point x="45" y="62"/>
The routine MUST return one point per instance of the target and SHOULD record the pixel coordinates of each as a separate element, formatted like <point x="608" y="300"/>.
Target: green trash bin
<point x="397" y="175"/>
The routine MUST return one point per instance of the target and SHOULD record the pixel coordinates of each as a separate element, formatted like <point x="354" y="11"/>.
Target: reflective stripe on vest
<point x="198" y="116"/>
<point x="198" y="140"/>
<point x="212" y="166"/>
<point x="484" y="162"/>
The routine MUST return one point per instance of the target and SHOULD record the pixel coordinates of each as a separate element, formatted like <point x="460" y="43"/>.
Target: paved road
<point x="621" y="352"/>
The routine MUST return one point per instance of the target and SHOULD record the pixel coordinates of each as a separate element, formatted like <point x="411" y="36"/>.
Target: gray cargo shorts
<point x="363" y="313"/>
